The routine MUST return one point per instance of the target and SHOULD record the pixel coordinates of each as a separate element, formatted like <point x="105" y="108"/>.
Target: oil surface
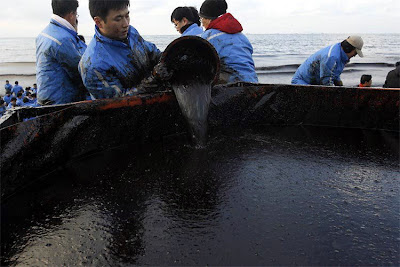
<point x="194" y="101"/>
<point x="276" y="196"/>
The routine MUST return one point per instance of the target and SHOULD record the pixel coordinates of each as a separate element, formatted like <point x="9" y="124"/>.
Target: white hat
<point x="357" y="42"/>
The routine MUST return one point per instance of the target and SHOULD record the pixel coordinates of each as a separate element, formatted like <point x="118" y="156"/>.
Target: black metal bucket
<point x="187" y="60"/>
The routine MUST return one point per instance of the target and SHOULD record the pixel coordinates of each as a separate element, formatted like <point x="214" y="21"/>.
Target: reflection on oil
<point x="276" y="196"/>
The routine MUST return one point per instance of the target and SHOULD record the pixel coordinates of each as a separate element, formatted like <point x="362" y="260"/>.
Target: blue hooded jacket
<point x="7" y="99"/>
<point x="2" y="110"/>
<point x="323" y="67"/>
<point x="193" y="29"/>
<point x="234" y="49"/>
<point x="8" y="87"/>
<point x="58" y="51"/>
<point x="16" y="89"/>
<point x="110" y="68"/>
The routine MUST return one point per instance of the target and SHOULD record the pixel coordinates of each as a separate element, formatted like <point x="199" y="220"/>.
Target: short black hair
<point x="33" y="95"/>
<point x="397" y="63"/>
<point x="7" y="81"/>
<point x="365" y="78"/>
<point x="82" y="38"/>
<point x="13" y="98"/>
<point x="19" y="94"/>
<point x="347" y="47"/>
<point x="16" y="82"/>
<point x="64" y="7"/>
<point x="1" y="102"/>
<point x="190" y="13"/>
<point x="100" y="8"/>
<point x="25" y="100"/>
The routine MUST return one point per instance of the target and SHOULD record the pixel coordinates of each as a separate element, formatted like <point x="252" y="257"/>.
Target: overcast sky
<point x="26" y="18"/>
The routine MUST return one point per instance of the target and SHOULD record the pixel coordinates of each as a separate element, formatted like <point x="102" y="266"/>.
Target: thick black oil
<point x="275" y="196"/>
<point x="194" y="101"/>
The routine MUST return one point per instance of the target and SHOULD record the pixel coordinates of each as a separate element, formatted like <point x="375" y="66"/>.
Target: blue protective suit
<point x="234" y="49"/>
<point x="16" y="88"/>
<point x="8" y="87"/>
<point x="32" y="103"/>
<point x="20" y="102"/>
<point x="10" y="106"/>
<point x="7" y="99"/>
<point x="110" y="68"/>
<point x="323" y="67"/>
<point x="58" y="51"/>
<point x="2" y="110"/>
<point x="193" y="29"/>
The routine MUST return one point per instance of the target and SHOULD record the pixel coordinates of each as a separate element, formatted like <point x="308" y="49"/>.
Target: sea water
<point x="276" y="56"/>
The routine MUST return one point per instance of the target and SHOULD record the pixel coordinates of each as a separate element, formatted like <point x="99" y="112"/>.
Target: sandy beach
<point x="23" y="72"/>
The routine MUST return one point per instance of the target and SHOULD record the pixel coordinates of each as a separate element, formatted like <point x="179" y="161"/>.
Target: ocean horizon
<point x="276" y="56"/>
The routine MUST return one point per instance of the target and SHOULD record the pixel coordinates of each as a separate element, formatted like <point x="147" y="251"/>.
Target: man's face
<point x="179" y="24"/>
<point x="352" y="54"/>
<point x="116" y="24"/>
<point x="205" y="22"/>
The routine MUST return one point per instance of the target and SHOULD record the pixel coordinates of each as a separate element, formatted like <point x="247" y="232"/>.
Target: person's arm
<point x="68" y="57"/>
<point x="338" y="83"/>
<point x="328" y="72"/>
<point x="153" y="53"/>
<point x="99" y="83"/>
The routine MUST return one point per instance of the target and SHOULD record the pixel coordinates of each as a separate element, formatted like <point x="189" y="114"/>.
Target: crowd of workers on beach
<point x="118" y="59"/>
<point x="17" y="96"/>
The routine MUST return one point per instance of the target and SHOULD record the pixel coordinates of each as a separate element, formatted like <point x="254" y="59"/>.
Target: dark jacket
<point x="393" y="78"/>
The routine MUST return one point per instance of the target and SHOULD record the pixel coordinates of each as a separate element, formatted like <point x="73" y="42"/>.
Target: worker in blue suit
<point x="58" y="51"/>
<point x="224" y="32"/>
<point x="3" y="107"/>
<point x="325" y="66"/>
<point x="186" y="21"/>
<point x="8" y="86"/>
<point x="118" y="58"/>
<point x="17" y="88"/>
<point x="7" y="97"/>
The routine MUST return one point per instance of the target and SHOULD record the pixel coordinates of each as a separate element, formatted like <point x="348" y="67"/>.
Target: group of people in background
<point x="118" y="59"/>
<point x="17" y="96"/>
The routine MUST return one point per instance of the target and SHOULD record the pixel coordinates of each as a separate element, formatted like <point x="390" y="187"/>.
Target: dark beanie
<point x="212" y="9"/>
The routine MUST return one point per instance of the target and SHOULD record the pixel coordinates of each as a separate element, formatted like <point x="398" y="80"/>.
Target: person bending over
<point x="325" y="66"/>
<point x="118" y="58"/>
